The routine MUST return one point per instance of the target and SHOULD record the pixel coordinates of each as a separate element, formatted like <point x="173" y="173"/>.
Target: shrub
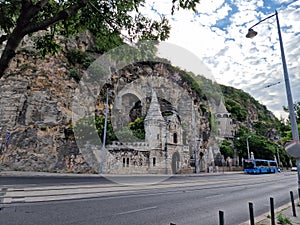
<point x="283" y="220"/>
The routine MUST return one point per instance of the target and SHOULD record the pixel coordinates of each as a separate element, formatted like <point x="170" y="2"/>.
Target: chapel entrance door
<point x="175" y="162"/>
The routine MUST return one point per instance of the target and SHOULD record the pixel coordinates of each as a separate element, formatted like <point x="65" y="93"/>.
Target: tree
<point x="226" y="149"/>
<point x="296" y="109"/>
<point x="258" y="144"/>
<point x="287" y="135"/>
<point x="104" y="18"/>
<point x="286" y="131"/>
<point x="137" y="127"/>
<point x="236" y="110"/>
<point x="86" y="126"/>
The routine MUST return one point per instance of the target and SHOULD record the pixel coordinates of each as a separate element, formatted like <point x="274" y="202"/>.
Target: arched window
<point x="175" y="138"/>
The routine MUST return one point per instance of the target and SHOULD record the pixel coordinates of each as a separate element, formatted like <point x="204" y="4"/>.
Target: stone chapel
<point x="162" y="152"/>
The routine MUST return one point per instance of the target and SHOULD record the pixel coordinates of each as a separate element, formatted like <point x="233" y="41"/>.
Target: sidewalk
<point x="285" y="212"/>
<point x="48" y="174"/>
<point x="44" y="174"/>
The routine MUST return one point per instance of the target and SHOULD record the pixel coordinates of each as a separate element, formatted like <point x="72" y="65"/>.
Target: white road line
<point x="137" y="210"/>
<point x="214" y="196"/>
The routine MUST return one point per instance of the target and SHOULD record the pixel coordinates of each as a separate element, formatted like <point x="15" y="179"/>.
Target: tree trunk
<point x="9" y="51"/>
<point x="26" y="26"/>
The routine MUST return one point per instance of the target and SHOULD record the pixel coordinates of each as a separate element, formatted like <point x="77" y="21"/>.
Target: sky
<point x="216" y="35"/>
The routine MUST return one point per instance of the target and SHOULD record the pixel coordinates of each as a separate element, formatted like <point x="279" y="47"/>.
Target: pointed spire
<point x="221" y="107"/>
<point x="154" y="112"/>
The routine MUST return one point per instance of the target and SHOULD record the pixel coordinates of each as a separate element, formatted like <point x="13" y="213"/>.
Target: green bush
<point x="75" y="75"/>
<point x="137" y="127"/>
<point x="77" y="57"/>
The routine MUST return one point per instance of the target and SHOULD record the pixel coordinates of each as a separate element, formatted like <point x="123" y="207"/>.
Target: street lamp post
<point x="251" y="33"/>
<point x="248" y="151"/>
<point x="278" y="156"/>
<point x="195" y="141"/>
<point x="166" y="147"/>
<point x="104" y="135"/>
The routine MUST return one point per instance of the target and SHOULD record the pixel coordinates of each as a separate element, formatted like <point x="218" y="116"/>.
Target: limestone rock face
<point x="35" y="99"/>
<point x="13" y="96"/>
<point x="36" y="96"/>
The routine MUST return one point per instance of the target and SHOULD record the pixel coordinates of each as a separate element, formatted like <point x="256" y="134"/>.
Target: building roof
<point x="154" y="112"/>
<point x="221" y="107"/>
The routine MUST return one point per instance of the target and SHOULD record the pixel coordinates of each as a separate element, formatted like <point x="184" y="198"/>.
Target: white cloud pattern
<point x="216" y="34"/>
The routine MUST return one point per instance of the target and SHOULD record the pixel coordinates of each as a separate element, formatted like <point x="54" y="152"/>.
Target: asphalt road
<point x="186" y="200"/>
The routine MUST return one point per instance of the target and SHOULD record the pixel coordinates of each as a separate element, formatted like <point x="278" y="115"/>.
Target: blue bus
<point x="257" y="166"/>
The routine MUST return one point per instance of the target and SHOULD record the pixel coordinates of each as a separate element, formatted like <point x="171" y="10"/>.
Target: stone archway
<point x="175" y="162"/>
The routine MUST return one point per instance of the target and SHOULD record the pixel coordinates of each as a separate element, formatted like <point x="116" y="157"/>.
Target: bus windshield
<point x="248" y="164"/>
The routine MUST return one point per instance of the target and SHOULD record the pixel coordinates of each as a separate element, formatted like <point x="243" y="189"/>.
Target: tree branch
<point x="28" y="10"/>
<point x="64" y="14"/>
<point x="26" y="26"/>
<point x="3" y="38"/>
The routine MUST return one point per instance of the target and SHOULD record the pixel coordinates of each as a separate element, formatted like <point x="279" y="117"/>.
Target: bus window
<point x="261" y="163"/>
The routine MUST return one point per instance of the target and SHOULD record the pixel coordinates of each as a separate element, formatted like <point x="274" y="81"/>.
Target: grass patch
<point x="281" y="219"/>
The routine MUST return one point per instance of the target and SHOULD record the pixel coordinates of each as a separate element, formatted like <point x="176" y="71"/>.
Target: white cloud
<point x="217" y="37"/>
<point x="210" y="6"/>
<point x="183" y="58"/>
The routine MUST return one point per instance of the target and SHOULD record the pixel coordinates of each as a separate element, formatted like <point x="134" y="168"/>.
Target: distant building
<point x="226" y="125"/>
<point x="227" y="128"/>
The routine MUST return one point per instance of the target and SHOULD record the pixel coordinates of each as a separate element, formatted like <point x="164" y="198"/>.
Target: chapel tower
<point x="155" y="124"/>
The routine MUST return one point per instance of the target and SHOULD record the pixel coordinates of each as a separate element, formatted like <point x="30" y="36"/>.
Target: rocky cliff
<point x="36" y="96"/>
<point x="35" y="99"/>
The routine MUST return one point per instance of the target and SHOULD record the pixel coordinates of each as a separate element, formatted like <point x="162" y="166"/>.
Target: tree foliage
<point x="240" y="103"/>
<point x="137" y="127"/>
<point x="260" y="146"/>
<point x="296" y="110"/>
<point x="87" y="126"/>
<point x="226" y="149"/>
<point x="110" y="21"/>
<point x="236" y="110"/>
<point x="287" y="135"/>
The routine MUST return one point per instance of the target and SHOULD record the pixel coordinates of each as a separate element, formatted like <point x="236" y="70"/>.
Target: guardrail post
<point x="293" y="204"/>
<point x="251" y="213"/>
<point x="221" y="217"/>
<point x="272" y="211"/>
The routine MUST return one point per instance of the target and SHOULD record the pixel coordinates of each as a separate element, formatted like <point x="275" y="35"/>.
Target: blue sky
<point x="216" y="35"/>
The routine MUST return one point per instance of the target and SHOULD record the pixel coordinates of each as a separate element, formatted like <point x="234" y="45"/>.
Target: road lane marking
<point x="137" y="210"/>
<point x="214" y="196"/>
<point x="2" y="194"/>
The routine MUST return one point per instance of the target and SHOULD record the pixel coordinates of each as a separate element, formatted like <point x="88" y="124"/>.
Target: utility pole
<point x="102" y="161"/>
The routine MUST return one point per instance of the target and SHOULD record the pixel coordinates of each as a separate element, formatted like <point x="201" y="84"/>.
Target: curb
<point x="265" y="218"/>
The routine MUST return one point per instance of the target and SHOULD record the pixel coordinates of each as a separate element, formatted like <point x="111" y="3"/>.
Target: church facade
<point x="162" y="152"/>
